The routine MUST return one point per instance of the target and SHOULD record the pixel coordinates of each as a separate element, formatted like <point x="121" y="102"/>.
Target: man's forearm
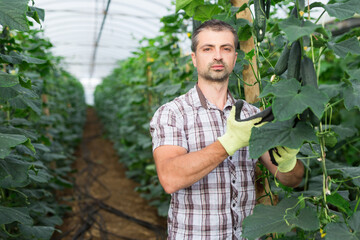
<point x="177" y="170"/>
<point x="292" y="178"/>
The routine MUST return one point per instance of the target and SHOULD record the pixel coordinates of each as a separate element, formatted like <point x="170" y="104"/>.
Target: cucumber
<point x="260" y="19"/>
<point x="308" y="73"/>
<point x="309" y="77"/>
<point x="293" y="69"/>
<point x="282" y="63"/>
<point x="294" y="12"/>
<point x="267" y="8"/>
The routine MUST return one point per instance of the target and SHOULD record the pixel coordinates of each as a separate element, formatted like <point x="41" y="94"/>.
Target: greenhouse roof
<point x="92" y="35"/>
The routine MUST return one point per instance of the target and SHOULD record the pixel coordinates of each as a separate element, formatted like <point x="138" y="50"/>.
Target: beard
<point x="215" y="75"/>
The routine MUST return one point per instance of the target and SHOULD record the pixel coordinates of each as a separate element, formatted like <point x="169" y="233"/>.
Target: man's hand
<point x="284" y="158"/>
<point x="238" y="131"/>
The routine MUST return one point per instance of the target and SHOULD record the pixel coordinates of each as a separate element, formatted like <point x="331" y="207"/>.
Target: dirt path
<point x="105" y="205"/>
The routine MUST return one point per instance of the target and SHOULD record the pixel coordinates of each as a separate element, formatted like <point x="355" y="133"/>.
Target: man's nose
<point x="217" y="55"/>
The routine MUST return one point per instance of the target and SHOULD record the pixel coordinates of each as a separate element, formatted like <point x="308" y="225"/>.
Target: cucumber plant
<point x="41" y="117"/>
<point x="311" y="107"/>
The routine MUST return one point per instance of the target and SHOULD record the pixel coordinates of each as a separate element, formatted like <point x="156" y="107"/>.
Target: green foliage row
<point x="327" y="202"/>
<point x="42" y="111"/>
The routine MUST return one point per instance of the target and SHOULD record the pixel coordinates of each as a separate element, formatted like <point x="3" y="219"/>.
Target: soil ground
<point x="103" y="201"/>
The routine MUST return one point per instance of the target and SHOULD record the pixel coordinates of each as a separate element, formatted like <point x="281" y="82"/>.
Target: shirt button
<point x="235" y="228"/>
<point x="233" y="181"/>
<point x="234" y="204"/>
<point x="230" y="157"/>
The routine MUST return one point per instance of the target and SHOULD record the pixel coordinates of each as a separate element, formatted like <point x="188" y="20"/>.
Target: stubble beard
<point x="215" y="75"/>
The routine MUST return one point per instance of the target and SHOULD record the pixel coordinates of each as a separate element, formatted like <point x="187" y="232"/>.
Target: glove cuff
<point x="288" y="165"/>
<point x="227" y="141"/>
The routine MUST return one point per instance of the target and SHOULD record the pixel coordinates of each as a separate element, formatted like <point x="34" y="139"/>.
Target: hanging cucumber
<point x="267" y="8"/>
<point x="294" y="12"/>
<point x="308" y="73"/>
<point x="260" y="19"/>
<point x="293" y="69"/>
<point x="282" y="63"/>
<point x="309" y="78"/>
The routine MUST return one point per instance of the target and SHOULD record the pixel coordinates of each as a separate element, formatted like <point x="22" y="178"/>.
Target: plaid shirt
<point x="215" y="206"/>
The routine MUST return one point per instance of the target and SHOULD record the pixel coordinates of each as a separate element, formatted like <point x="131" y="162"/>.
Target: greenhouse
<point x="180" y="119"/>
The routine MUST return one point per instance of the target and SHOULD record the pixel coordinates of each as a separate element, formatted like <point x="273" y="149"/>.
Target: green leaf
<point x="13" y="14"/>
<point x="205" y="12"/>
<point x="14" y="173"/>
<point x="17" y="58"/>
<point x="351" y="94"/>
<point x="14" y="214"/>
<point x="343" y="10"/>
<point x="294" y="28"/>
<point x="279" y="219"/>
<point x="181" y="4"/>
<point x="191" y="7"/>
<point x="173" y="89"/>
<point x="8" y="141"/>
<point x="37" y="232"/>
<point x="350" y="173"/>
<point x="336" y="231"/>
<point x="30" y="146"/>
<point x="354" y="73"/>
<point x="338" y="201"/>
<point x="242" y="8"/>
<point x="292" y="99"/>
<point x="41" y="176"/>
<point x="341" y="49"/>
<point x="243" y="29"/>
<point x="344" y="132"/>
<point x="22" y="102"/>
<point x="36" y="13"/>
<point x="279" y="134"/>
<point x="13" y="91"/>
<point x="8" y="80"/>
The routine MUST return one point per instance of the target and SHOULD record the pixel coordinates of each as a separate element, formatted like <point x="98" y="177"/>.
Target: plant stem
<point x="333" y="104"/>
<point x="322" y="147"/>
<point x="357" y="205"/>
<point x="319" y="17"/>
<point x="307" y="175"/>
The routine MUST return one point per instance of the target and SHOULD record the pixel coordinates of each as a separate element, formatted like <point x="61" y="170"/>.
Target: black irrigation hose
<point x="90" y="206"/>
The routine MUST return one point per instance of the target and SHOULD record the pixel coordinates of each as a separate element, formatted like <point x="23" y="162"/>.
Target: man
<point x="201" y="152"/>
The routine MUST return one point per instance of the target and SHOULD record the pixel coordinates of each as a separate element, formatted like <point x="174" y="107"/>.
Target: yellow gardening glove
<point x="238" y="131"/>
<point x="284" y="158"/>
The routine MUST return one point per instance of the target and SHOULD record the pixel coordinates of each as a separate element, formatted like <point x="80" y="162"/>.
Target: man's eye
<point x="227" y="49"/>
<point x="206" y="49"/>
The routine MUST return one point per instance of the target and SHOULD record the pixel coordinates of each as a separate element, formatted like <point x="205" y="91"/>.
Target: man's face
<point x="215" y="55"/>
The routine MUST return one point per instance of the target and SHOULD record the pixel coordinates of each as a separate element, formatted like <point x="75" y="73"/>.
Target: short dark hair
<point x="215" y="25"/>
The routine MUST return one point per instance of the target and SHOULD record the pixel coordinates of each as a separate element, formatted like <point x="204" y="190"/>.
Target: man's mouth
<point x="217" y="67"/>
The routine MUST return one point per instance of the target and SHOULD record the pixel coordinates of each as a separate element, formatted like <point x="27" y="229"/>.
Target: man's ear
<point x="236" y="54"/>
<point x="193" y="57"/>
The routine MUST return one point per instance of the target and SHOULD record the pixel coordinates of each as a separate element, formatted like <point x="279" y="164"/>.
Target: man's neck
<point x="215" y="92"/>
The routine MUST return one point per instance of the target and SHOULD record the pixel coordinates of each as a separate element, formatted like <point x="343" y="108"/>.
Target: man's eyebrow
<point x="227" y="45"/>
<point x="212" y="45"/>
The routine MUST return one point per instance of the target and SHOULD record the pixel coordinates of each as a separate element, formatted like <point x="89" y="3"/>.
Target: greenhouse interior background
<point x="81" y="85"/>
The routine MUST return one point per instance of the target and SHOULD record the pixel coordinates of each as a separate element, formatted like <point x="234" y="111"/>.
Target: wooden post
<point x="252" y="94"/>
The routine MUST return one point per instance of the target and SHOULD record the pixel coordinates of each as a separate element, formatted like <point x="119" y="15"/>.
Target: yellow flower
<point x="301" y="13"/>
<point x="305" y="48"/>
<point x="189" y="34"/>
<point x="322" y="233"/>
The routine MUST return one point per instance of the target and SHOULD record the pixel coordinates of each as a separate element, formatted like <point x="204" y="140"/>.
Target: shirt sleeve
<point x="167" y="128"/>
